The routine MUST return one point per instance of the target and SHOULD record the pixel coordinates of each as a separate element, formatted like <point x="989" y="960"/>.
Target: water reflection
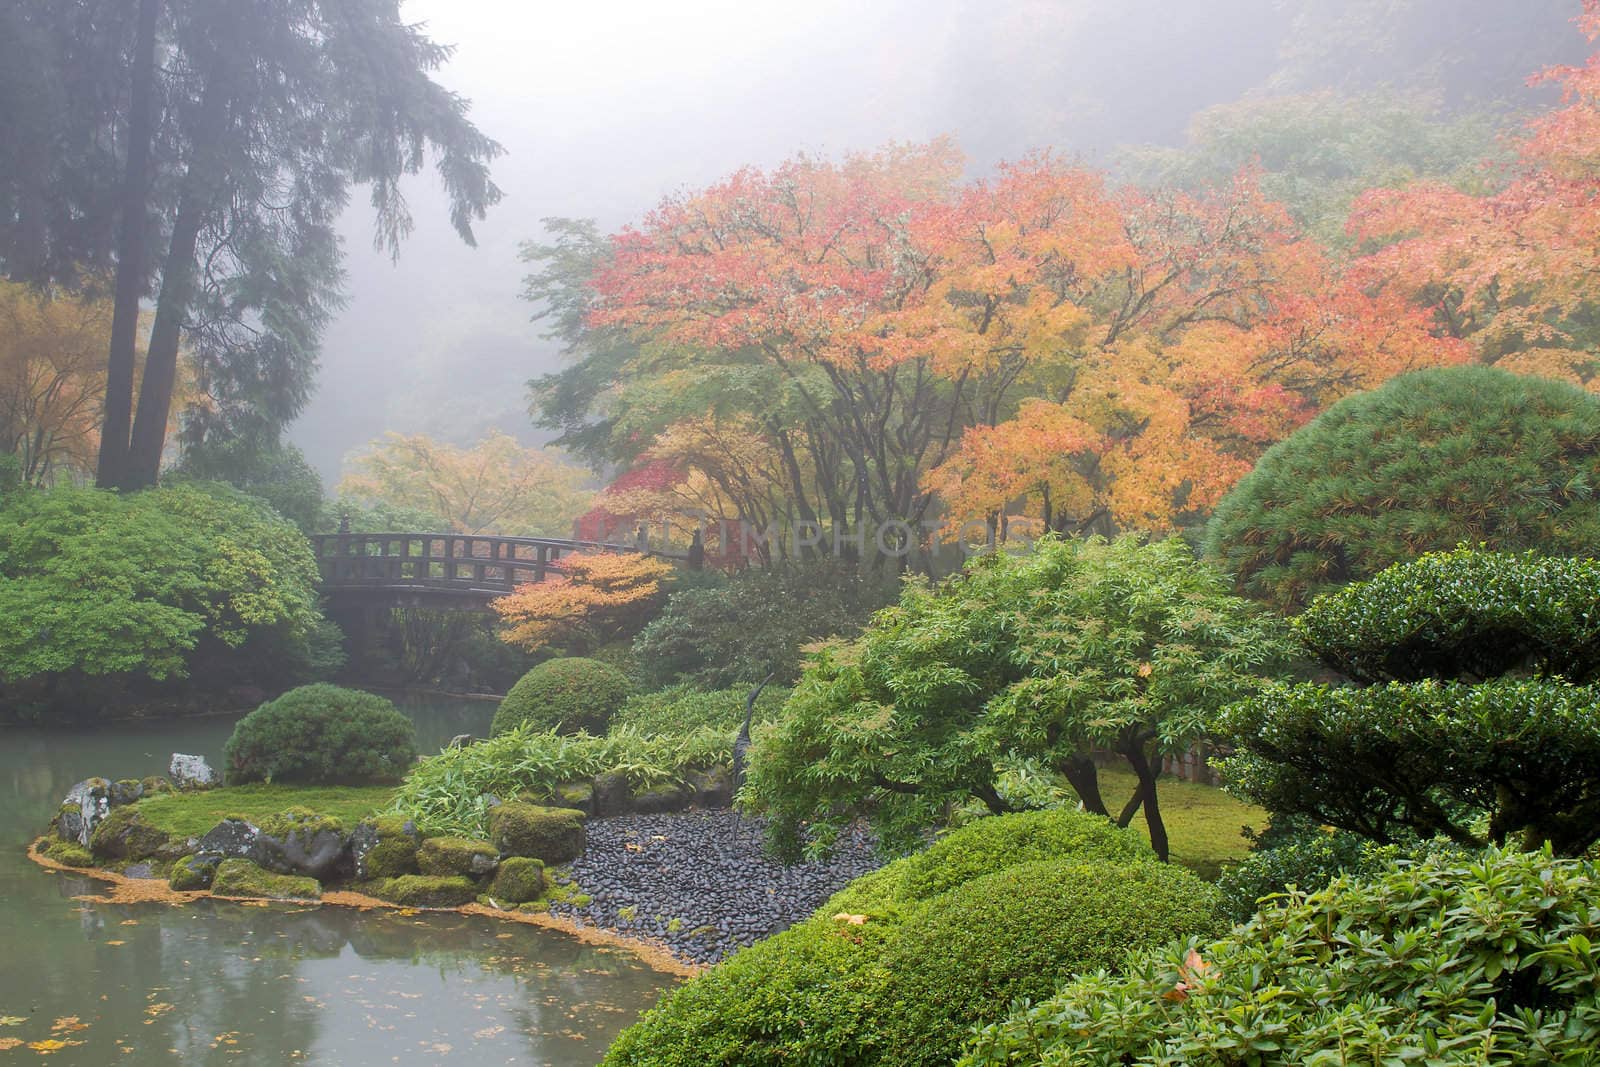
<point x="224" y="982"/>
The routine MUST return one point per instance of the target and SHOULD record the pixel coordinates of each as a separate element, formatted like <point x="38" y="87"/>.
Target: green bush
<point x="271" y="471"/>
<point x="1463" y="614"/>
<point x="683" y="709"/>
<point x="1018" y="933"/>
<point x="321" y="734"/>
<point x="1308" y="860"/>
<point x="450" y="793"/>
<point x="1425" y="462"/>
<point x="1488" y="960"/>
<point x="1506" y="760"/>
<point x="738" y="631"/>
<point x="156" y="584"/>
<point x="568" y="695"/>
<point x="995" y="843"/>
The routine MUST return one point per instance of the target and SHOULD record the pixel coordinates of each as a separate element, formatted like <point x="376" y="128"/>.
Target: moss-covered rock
<point x="156" y="784"/>
<point x="192" y="872"/>
<point x="664" y="799"/>
<point x="124" y="835"/>
<point x="554" y="835"/>
<point x="126" y="791"/>
<point x="70" y="854"/>
<point x="302" y="821"/>
<point x="241" y="878"/>
<point x="426" y="890"/>
<point x="576" y="795"/>
<point x="519" y="880"/>
<point x="457" y="855"/>
<point x="385" y="846"/>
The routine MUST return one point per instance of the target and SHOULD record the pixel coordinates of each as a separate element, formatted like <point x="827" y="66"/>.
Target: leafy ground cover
<point x="192" y="814"/>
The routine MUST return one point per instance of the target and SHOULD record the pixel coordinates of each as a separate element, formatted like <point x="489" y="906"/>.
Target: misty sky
<point x="603" y="107"/>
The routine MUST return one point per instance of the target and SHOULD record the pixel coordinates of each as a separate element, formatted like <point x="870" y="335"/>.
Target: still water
<point x="227" y="983"/>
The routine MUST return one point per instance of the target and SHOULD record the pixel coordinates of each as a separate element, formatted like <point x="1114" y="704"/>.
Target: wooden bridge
<point x="466" y="568"/>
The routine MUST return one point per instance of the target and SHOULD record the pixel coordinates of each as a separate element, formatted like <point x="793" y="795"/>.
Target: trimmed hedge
<point x="683" y="709"/>
<point x="321" y="734"/>
<point x="1462" y="614"/>
<point x="1425" y="462"/>
<point x="1490" y="960"/>
<point x="568" y="695"/>
<point x="1018" y="933"/>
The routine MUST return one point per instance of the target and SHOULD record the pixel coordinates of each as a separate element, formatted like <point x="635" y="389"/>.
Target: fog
<point x="606" y="106"/>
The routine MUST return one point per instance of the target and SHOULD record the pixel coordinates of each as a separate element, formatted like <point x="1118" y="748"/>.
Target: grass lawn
<point x="192" y="814"/>
<point x="1202" y="821"/>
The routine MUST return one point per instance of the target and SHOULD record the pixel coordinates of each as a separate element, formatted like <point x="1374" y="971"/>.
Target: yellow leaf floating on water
<point x="12" y="1020"/>
<point x="68" y="1024"/>
<point x="115" y="942"/>
<point x="9" y="1042"/>
<point x="50" y="1044"/>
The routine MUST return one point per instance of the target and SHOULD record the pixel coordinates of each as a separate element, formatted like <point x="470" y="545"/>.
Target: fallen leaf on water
<point x="12" y="1020"/>
<point x="114" y="942"/>
<point x="9" y="1042"/>
<point x="68" y="1024"/>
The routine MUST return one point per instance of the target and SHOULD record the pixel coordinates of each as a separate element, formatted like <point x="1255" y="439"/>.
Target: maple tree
<point x="593" y="598"/>
<point x="1511" y="271"/>
<point x="497" y="486"/>
<point x="52" y="381"/>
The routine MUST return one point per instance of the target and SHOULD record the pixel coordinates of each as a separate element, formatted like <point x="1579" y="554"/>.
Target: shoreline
<point x="125" y="890"/>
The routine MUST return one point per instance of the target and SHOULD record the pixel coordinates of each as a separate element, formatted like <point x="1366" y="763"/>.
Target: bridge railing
<point x="466" y="562"/>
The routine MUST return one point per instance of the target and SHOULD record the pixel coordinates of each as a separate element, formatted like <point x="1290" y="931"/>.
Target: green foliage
<point x="191" y="814"/>
<point x="1306" y="860"/>
<point x="993" y="844"/>
<point x="1426" y="462"/>
<point x="554" y="835"/>
<point x="753" y="624"/>
<point x="100" y="584"/>
<point x="880" y="976"/>
<point x="1077" y="645"/>
<point x="682" y="709"/>
<point x="448" y="793"/>
<point x="1462" y="614"/>
<point x="270" y="471"/>
<point x="241" y="878"/>
<point x="1488" y="960"/>
<point x="321" y="734"/>
<point x="10" y="474"/>
<point x="1017" y="933"/>
<point x="570" y="695"/>
<point x="1426" y="757"/>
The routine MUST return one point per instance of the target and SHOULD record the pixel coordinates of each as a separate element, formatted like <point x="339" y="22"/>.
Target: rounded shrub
<point x="321" y="734"/>
<point x="1488" y="959"/>
<point x="1425" y="462"/>
<point x="568" y="695"/>
<point x="1019" y="933"/>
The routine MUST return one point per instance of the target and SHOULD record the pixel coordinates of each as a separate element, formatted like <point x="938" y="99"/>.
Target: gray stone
<point x="461" y="741"/>
<point x="612" y="794"/>
<point x="230" y="839"/>
<point x="320" y="854"/>
<point x="82" y="809"/>
<point x="126" y="791"/>
<point x="713" y="788"/>
<point x="656" y="801"/>
<point x="191" y="772"/>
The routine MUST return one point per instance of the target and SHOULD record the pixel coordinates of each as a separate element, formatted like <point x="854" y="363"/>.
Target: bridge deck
<point x="474" y="565"/>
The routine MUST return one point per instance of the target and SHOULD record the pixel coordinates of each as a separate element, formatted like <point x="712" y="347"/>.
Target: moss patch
<point x="125" y="834"/>
<point x="300" y="820"/>
<point x="241" y="878"/>
<point x="1203" y="822"/>
<point x="188" y="815"/>
<point x="69" y="854"/>
<point x="396" y="851"/>
<point x="191" y="872"/>
<point x="554" y="835"/>
<point x="456" y="855"/>
<point x="519" y="880"/>
<point x="426" y="891"/>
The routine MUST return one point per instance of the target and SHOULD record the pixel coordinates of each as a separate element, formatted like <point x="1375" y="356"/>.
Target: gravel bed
<point x="707" y="871"/>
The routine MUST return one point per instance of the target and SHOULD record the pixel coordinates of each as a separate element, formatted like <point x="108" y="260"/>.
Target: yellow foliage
<point x="596" y="596"/>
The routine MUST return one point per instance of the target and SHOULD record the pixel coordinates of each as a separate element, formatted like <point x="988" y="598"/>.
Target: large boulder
<point x="297" y="842"/>
<point x="554" y="835"/>
<point x="192" y="772"/>
<point x="384" y="846"/>
<point x="519" y="880"/>
<point x="611" y="795"/>
<point x="82" y="809"/>
<point x="426" y="890"/>
<point x="124" y="835"/>
<point x="241" y="878"/>
<point x="457" y="855"/>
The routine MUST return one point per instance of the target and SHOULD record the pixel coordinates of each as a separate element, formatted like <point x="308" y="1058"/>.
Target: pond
<point x="221" y="982"/>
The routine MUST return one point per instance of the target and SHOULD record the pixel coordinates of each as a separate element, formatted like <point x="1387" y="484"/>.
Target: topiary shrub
<point x="1002" y="841"/>
<point x="321" y="734"/>
<point x="566" y="695"/>
<point x="1425" y="462"/>
<point x="1018" y="933"/>
<point x="1484" y="960"/>
<point x="554" y="835"/>
<point x="518" y="880"/>
<point x="241" y="878"/>
<point x="1464" y="615"/>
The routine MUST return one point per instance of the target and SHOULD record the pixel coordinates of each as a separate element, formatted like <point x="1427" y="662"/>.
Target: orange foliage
<point x="1512" y="271"/>
<point x="596" y="597"/>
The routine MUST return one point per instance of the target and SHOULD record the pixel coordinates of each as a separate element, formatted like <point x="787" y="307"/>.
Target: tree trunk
<point x="112" y="468"/>
<point x="200" y="182"/>
<point x="1152" y="806"/>
<point x="1080" y="773"/>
